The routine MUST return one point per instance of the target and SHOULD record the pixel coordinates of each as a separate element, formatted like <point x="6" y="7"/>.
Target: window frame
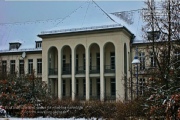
<point x="142" y="60"/>
<point x="30" y="66"/>
<point x="4" y="66"/>
<point x="21" y="67"/>
<point x="112" y="60"/>
<point x="39" y="66"/>
<point x="12" y="66"/>
<point x="113" y="87"/>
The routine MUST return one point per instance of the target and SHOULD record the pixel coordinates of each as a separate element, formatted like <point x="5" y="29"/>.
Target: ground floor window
<point x="98" y="87"/>
<point x="113" y="86"/>
<point x="12" y="67"/>
<point x="64" y="88"/>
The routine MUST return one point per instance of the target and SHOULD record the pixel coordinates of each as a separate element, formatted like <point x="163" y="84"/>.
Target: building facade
<point x="87" y="65"/>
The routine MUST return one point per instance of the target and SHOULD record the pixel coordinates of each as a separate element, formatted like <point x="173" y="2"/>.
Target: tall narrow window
<point x="77" y="63"/>
<point x="98" y="61"/>
<point x="90" y="60"/>
<point x="77" y="87"/>
<point x="153" y="61"/>
<point x="64" y="63"/>
<point x="84" y="62"/>
<point x="4" y="66"/>
<point x="141" y="86"/>
<point x="91" y="87"/>
<point x="84" y="87"/>
<point x="142" y="60"/>
<point x="98" y="87"/>
<point x="12" y="67"/>
<point x="70" y="87"/>
<point x="113" y="87"/>
<point x="64" y="87"/>
<point x="112" y="54"/>
<point x="177" y="55"/>
<point x="50" y="60"/>
<point x="21" y="67"/>
<point x="39" y="66"/>
<point x="70" y="65"/>
<point x="30" y="66"/>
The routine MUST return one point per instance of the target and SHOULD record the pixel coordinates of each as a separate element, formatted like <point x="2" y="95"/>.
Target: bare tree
<point x="162" y="31"/>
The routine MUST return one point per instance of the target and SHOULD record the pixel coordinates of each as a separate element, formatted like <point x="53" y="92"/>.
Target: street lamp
<point x="136" y="61"/>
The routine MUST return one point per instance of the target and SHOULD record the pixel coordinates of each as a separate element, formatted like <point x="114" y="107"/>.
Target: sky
<point x="21" y="21"/>
<point x="22" y="11"/>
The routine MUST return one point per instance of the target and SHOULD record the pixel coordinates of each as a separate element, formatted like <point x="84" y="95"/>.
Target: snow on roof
<point x="91" y="17"/>
<point x="88" y="17"/>
<point x="132" y="21"/>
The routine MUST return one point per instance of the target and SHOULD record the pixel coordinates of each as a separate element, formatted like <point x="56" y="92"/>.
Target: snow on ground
<point x="48" y="119"/>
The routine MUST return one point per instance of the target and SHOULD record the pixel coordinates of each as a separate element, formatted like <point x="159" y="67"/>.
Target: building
<point x="90" y="59"/>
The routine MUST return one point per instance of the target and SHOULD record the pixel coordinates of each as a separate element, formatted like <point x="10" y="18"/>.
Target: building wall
<point x="17" y="57"/>
<point x="98" y="41"/>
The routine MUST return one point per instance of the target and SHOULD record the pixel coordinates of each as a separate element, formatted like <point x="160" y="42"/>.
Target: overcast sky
<point x="22" y="11"/>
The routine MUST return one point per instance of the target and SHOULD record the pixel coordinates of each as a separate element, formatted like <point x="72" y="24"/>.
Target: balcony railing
<point x="80" y="70"/>
<point x="109" y="68"/>
<point x="94" y="69"/>
<point x="53" y="71"/>
<point x="66" y="69"/>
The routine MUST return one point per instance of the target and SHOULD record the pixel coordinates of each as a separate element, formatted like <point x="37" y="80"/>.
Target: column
<point x="119" y="71"/>
<point x="87" y="74"/>
<point x="59" y="74"/>
<point x="73" y="75"/>
<point x="102" y="73"/>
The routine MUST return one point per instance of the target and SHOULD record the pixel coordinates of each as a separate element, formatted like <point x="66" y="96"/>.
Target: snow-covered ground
<point x="48" y="119"/>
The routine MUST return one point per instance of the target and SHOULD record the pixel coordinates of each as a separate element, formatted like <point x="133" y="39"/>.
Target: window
<point x="177" y="55"/>
<point x="156" y="35"/>
<point x="91" y="87"/>
<point x="38" y="44"/>
<point x="84" y="87"/>
<point x="77" y="87"/>
<point x="112" y="55"/>
<point x="12" y="67"/>
<point x="152" y="60"/>
<point x="30" y="66"/>
<point x="50" y="61"/>
<point x="21" y="67"/>
<point x="4" y="66"/>
<point x="84" y="62"/>
<point x="39" y="66"/>
<point x="64" y="63"/>
<point x="90" y="60"/>
<point x="15" y="46"/>
<point x="77" y="63"/>
<point x="70" y="87"/>
<point x="113" y="87"/>
<point x="98" y="87"/>
<point x="64" y="88"/>
<point x="98" y="61"/>
<point x="142" y="60"/>
<point x="141" y="86"/>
